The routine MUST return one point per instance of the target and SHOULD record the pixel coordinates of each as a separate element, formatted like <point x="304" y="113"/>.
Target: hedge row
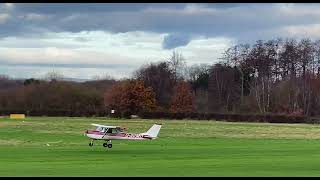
<point x="55" y="113"/>
<point x="271" y="118"/>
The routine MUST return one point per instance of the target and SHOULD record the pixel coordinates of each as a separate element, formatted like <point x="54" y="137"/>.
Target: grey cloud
<point x="175" y="40"/>
<point x="240" y="21"/>
<point x="66" y="8"/>
<point x="71" y="8"/>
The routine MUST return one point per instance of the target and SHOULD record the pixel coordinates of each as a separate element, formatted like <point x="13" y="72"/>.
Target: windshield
<point x="99" y="129"/>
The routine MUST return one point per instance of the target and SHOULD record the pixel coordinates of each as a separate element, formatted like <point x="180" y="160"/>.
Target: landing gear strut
<point x="91" y="143"/>
<point x="107" y="144"/>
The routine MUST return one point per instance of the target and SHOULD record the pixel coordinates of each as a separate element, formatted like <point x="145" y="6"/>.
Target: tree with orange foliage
<point x="182" y="100"/>
<point x="130" y="97"/>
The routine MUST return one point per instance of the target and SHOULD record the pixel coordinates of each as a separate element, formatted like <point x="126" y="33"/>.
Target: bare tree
<point x="178" y="65"/>
<point x="237" y="56"/>
<point x="224" y="88"/>
<point x="198" y="77"/>
<point x="54" y="76"/>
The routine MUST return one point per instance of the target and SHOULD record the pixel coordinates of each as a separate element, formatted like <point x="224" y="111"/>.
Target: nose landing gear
<point x="91" y="143"/>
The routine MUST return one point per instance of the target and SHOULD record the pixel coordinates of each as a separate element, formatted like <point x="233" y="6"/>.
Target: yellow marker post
<point x="17" y="116"/>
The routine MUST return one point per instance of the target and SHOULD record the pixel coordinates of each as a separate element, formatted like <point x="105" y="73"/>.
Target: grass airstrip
<point x="56" y="146"/>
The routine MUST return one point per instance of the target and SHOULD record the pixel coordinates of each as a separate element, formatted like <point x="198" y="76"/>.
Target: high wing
<point x="99" y="125"/>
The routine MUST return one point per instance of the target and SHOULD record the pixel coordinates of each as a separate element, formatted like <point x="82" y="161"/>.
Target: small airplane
<point x="109" y="133"/>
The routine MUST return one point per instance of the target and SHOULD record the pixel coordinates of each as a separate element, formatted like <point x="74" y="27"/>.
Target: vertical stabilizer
<point x="153" y="131"/>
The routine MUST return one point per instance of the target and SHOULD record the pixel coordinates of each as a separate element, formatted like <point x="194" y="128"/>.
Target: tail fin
<point x="153" y="131"/>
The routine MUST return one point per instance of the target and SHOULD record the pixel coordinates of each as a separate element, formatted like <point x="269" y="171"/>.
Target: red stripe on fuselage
<point x="123" y="135"/>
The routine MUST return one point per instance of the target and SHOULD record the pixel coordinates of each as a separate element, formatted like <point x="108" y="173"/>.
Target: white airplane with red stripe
<point x="108" y="133"/>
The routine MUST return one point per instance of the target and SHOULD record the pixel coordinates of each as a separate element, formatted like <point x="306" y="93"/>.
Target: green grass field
<point x="57" y="147"/>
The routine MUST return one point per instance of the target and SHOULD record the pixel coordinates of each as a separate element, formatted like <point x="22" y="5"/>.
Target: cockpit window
<point x="110" y="130"/>
<point x="99" y="129"/>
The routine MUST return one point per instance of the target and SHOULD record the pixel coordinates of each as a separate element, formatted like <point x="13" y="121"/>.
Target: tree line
<point x="278" y="76"/>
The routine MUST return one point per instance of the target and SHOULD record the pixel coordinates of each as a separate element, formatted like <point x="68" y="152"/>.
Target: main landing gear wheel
<point x="107" y="144"/>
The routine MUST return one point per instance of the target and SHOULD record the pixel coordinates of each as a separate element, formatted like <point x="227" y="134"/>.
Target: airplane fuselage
<point x="97" y="135"/>
<point x="109" y="133"/>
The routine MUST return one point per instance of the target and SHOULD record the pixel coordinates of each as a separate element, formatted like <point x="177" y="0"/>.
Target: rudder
<point x="154" y="130"/>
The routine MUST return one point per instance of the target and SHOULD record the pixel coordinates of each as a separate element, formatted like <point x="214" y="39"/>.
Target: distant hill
<point x="101" y="85"/>
<point x="76" y="79"/>
<point x="8" y="84"/>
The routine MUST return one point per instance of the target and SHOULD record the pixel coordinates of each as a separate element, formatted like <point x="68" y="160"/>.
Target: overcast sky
<point x="86" y="40"/>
